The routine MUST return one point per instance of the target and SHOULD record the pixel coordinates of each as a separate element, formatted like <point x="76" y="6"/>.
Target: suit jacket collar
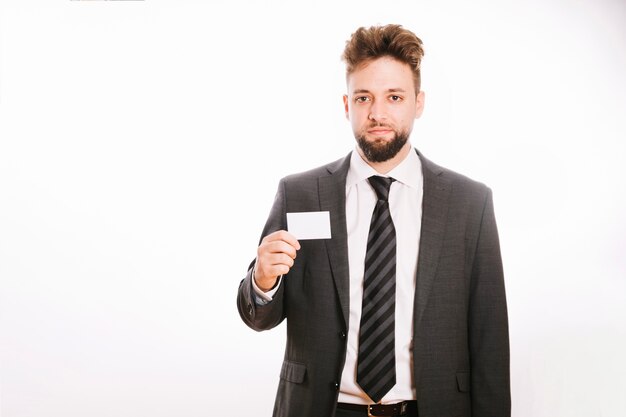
<point x="332" y="195"/>
<point x="434" y="218"/>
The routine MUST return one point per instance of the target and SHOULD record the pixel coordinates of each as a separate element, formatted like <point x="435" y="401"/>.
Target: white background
<point x="140" y="148"/>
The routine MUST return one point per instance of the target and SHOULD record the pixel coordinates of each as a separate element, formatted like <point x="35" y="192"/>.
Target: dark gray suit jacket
<point x="461" y="344"/>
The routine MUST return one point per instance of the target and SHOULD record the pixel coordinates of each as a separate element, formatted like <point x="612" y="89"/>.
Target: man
<point x="402" y="311"/>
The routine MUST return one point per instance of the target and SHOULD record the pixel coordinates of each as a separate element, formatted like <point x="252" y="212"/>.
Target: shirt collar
<point x="408" y="172"/>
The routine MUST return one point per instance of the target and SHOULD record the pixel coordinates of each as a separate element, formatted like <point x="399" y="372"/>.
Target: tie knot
<point x="381" y="185"/>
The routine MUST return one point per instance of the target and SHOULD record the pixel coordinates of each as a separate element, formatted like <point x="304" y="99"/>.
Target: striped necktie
<point x="376" y="367"/>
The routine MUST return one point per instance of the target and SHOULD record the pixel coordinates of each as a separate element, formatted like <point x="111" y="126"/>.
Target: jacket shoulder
<point x="320" y="171"/>
<point x="459" y="182"/>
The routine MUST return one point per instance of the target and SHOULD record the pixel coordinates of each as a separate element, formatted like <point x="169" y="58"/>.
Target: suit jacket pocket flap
<point x="293" y="371"/>
<point x="463" y="381"/>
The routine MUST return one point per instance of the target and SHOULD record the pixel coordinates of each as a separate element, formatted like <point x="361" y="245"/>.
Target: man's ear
<point x="345" y="106"/>
<point x="419" y="107"/>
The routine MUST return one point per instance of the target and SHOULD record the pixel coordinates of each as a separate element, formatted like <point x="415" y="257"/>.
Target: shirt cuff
<point x="261" y="297"/>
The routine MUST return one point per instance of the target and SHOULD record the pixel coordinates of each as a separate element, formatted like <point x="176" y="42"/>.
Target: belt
<point x="383" y="410"/>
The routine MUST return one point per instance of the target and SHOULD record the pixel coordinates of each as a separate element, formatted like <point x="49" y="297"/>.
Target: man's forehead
<point x="382" y="84"/>
<point x="381" y="75"/>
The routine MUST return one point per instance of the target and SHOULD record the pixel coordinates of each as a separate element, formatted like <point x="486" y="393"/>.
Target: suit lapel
<point x="332" y="195"/>
<point x="434" y="217"/>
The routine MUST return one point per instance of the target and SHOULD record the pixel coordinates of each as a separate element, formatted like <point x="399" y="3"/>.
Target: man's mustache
<point x="378" y="124"/>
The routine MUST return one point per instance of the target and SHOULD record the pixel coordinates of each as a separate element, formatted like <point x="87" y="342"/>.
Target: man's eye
<point x="361" y="99"/>
<point x="395" y="98"/>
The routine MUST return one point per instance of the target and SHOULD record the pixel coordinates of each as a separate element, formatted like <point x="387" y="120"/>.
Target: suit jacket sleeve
<point x="488" y="323"/>
<point x="267" y="316"/>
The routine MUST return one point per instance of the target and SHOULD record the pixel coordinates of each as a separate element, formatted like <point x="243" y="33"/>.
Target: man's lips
<point x="379" y="131"/>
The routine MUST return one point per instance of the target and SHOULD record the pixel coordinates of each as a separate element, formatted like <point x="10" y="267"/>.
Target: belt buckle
<point x="403" y="409"/>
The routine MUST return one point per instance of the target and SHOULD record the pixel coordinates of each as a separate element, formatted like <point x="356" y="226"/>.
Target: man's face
<point x="381" y="105"/>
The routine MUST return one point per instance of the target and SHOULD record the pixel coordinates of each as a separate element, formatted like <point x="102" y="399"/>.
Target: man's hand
<point x="275" y="256"/>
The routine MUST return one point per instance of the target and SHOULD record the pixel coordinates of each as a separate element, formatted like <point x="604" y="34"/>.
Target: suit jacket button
<point x="336" y="385"/>
<point x="342" y="335"/>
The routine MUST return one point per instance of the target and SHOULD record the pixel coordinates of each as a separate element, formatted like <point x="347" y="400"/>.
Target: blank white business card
<point x="309" y="225"/>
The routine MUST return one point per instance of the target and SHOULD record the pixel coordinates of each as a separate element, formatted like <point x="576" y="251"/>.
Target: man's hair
<point x="368" y="44"/>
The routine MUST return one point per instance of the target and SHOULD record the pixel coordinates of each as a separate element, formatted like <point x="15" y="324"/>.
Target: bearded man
<point x="402" y="309"/>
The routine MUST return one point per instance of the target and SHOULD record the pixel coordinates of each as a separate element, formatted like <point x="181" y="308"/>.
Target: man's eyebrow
<point x="389" y="90"/>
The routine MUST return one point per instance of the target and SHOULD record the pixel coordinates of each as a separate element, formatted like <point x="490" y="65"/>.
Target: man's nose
<point x="377" y="112"/>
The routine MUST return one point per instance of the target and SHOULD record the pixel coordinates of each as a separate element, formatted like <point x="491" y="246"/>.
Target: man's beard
<point x="381" y="150"/>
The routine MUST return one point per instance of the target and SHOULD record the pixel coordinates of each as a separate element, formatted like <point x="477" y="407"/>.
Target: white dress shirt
<point x="405" y="203"/>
